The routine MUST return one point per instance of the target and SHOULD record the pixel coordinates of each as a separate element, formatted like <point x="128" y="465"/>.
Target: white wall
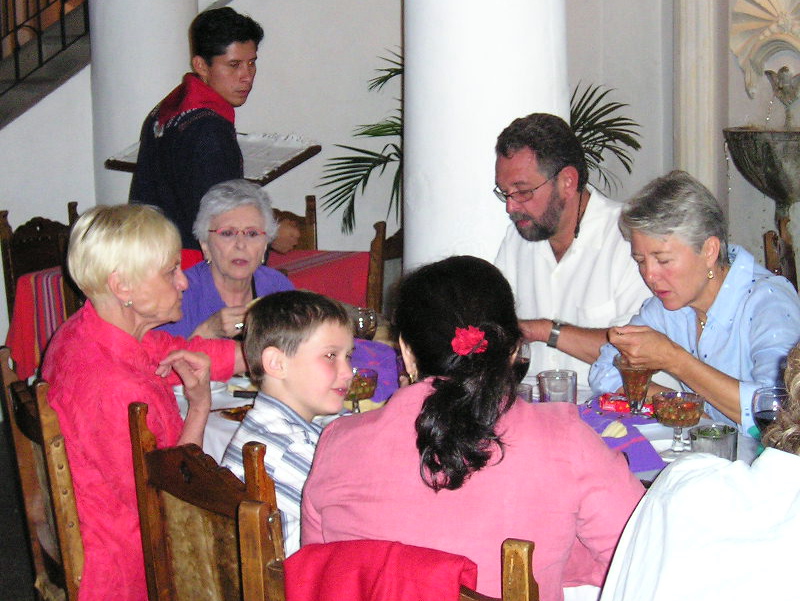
<point x="313" y="68"/>
<point x="621" y="45"/>
<point x="46" y="158"/>
<point x="314" y="65"/>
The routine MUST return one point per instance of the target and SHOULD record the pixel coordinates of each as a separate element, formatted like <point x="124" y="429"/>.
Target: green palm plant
<point x="347" y="175"/>
<point x="596" y="122"/>
<point x="600" y="129"/>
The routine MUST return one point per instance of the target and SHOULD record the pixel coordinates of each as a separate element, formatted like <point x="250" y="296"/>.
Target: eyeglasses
<point x="230" y="233"/>
<point x="520" y="196"/>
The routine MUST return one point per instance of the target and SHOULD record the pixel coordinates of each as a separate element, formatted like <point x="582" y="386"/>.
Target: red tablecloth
<point x="38" y="311"/>
<point x="339" y="274"/>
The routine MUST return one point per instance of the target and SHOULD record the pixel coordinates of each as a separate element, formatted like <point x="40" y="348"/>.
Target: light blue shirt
<point x="752" y="325"/>
<point x="291" y="442"/>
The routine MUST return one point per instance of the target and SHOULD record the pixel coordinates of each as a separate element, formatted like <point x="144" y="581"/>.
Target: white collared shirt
<point x="595" y="285"/>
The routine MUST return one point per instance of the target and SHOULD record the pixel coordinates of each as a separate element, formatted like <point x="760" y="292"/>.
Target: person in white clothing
<point x="673" y="548"/>
<point x="563" y="254"/>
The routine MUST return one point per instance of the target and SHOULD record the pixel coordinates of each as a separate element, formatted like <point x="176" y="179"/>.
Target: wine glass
<point x="522" y="361"/>
<point x="766" y="403"/>
<point x="362" y="387"/>
<point x="635" y="382"/>
<point x="677" y="410"/>
<point x="365" y="323"/>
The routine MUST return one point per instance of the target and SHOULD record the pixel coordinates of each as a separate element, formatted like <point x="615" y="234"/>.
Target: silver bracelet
<point x="555" y="332"/>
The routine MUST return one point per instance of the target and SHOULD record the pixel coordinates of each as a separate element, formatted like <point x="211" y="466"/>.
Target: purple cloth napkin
<point x="641" y="454"/>
<point x="383" y="359"/>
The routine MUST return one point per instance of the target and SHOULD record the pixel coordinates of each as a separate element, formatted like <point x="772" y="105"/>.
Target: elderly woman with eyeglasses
<point x="234" y="226"/>
<point x="718" y="322"/>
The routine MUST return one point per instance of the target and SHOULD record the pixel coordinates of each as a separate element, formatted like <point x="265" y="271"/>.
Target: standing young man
<point x="188" y="141"/>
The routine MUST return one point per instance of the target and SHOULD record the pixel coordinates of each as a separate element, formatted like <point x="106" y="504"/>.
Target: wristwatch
<point x="555" y="332"/>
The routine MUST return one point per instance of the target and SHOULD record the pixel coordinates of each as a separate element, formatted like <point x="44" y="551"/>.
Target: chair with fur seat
<point x="381" y="249"/>
<point x="206" y="535"/>
<point x="46" y="483"/>
<point x="306" y="224"/>
<point x="35" y="245"/>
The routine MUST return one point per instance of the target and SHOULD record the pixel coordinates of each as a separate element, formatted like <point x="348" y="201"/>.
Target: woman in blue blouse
<point x="718" y="322"/>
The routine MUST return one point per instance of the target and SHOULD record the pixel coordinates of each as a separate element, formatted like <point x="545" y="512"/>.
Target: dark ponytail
<point x="456" y="428"/>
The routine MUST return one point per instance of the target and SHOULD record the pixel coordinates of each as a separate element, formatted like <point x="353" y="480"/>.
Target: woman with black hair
<point x="455" y="462"/>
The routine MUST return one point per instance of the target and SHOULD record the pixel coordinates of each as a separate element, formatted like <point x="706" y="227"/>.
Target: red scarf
<point x="192" y="94"/>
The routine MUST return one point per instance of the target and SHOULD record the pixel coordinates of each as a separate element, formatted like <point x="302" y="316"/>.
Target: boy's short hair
<point x="285" y="320"/>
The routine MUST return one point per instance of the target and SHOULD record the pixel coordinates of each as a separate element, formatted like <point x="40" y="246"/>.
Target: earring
<point x="710" y="274"/>
<point x="127" y="303"/>
<point x="208" y="261"/>
<point x="412" y="378"/>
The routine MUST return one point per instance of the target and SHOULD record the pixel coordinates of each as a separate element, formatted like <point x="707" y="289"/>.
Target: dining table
<point x="339" y="274"/>
<point x="645" y="438"/>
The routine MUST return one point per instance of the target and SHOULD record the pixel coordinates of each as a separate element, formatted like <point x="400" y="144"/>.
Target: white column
<point x="701" y="91"/>
<point x="471" y="67"/>
<point x="140" y="50"/>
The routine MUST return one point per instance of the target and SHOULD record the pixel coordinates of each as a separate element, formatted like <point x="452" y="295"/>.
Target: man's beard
<point x="547" y="226"/>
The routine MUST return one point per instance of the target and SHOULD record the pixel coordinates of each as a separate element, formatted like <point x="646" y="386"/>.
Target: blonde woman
<point x="126" y="260"/>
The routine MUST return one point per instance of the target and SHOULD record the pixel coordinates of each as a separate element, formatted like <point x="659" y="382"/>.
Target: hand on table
<point x="194" y="370"/>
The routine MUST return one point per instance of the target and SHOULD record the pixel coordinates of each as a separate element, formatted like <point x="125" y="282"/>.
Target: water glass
<point x="718" y="439"/>
<point x="558" y="385"/>
<point x="525" y="392"/>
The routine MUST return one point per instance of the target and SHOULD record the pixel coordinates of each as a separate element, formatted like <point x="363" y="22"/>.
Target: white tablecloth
<point x="219" y="430"/>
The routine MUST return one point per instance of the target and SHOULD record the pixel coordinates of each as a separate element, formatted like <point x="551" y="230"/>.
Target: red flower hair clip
<point x="469" y="340"/>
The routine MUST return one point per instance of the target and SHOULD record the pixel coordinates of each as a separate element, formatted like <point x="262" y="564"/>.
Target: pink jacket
<point x="558" y="485"/>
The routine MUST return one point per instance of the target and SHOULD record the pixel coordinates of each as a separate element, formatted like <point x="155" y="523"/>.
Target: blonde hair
<point x="132" y="239"/>
<point x="784" y="433"/>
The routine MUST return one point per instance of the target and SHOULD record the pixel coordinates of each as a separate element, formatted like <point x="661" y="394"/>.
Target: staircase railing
<point x="33" y="32"/>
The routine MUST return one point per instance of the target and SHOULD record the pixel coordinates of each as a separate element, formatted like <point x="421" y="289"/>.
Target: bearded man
<point x="563" y="254"/>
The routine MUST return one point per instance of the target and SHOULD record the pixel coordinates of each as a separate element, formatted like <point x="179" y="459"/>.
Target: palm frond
<point x="600" y="130"/>
<point x="349" y="175"/>
<point x="394" y="69"/>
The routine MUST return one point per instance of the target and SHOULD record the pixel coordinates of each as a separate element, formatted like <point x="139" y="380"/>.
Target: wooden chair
<point x="38" y="244"/>
<point x="206" y="535"/>
<point x="779" y="253"/>
<point x="518" y="583"/>
<point x="307" y="224"/>
<point x="381" y="249"/>
<point x="46" y="483"/>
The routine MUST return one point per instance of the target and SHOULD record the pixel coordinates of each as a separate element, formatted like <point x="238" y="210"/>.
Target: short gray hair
<point x="677" y="205"/>
<point x="229" y="195"/>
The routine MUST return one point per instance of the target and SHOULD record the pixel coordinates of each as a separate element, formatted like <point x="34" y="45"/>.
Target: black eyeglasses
<point x="520" y="196"/>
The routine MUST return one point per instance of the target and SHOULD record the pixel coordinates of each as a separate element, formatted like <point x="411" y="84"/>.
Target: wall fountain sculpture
<point x="769" y="159"/>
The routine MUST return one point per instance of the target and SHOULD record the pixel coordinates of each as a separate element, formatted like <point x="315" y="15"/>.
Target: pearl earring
<point x="127" y="303"/>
